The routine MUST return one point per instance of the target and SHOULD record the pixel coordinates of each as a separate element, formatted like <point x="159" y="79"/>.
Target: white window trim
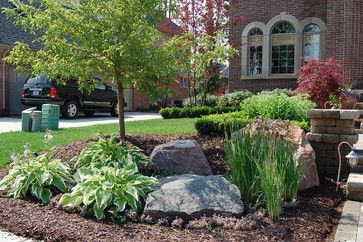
<point x="245" y="47"/>
<point x="323" y="29"/>
<point x="267" y="47"/>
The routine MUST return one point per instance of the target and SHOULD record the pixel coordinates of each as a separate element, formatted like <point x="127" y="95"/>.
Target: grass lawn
<point x="14" y="141"/>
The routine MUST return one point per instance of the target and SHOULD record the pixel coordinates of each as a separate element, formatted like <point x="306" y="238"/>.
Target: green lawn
<point x="14" y="141"/>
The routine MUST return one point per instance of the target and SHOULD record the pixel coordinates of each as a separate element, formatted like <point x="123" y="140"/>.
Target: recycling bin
<point x="50" y="117"/>
<point x="26" y="119"/>
<point x="36" y="120"/>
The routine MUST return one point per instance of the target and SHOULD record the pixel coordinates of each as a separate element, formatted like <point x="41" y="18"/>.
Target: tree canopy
<point x="115" y="40"/>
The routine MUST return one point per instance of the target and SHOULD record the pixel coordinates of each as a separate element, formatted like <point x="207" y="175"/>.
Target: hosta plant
<point x="38" y="176"/>
<point x="107" y="152"/>
<point x="108" y="190"/>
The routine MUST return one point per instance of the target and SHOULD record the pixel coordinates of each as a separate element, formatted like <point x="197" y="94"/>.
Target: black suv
<point x="40" y="90"/>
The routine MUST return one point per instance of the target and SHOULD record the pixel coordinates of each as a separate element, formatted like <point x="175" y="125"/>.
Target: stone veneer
<point x="330" y="127"/>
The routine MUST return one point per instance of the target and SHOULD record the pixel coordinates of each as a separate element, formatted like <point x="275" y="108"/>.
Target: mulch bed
<point x="315" y="217"/>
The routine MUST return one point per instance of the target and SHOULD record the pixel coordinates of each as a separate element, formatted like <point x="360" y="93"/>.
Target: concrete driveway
<point x="14" y="123"/>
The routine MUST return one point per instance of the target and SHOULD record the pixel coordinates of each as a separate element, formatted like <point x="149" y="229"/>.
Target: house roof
<point x="11" y="33"/>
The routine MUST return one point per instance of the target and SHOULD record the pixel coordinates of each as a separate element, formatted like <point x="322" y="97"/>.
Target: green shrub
<point x="218" y="124"/>
<point x="234" y="99"/>
<point x="37" y="176"/>
<point x="210" y="101"/>
<point x="196" y="112"/>
<point x="278" y="91"/>
<point x="264" y="170"/>
<point x="277" y="106"/>
<point x="108" y="189"/>
<point x="107" y="152"/>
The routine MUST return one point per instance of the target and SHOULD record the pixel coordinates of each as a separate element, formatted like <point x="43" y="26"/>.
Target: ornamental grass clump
<point x="38" y="176"/>
<point x="264" y="170"/>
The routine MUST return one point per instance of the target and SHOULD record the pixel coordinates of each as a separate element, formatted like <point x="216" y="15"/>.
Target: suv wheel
<point x="114" y="110"/>
<point x="70" y="110"/>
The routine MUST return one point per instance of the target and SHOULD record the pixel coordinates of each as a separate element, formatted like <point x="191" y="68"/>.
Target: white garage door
<point x="17" y="81"/>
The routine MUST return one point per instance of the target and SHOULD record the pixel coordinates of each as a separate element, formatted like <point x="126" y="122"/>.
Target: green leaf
<point x="132" y="191"/>
<point x="60" y="184"/>
<point x="46" y="177"/>
<point x="98" y="212"/>
<point x="71" y="199"/>
<point x="120" y="203"/>
<point x="132" y="202"/>
<point x="45" y="196"/>
<point x="102" y="198"/>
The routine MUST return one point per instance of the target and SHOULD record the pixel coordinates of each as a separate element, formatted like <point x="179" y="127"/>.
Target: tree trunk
<point x="121" y="112"/>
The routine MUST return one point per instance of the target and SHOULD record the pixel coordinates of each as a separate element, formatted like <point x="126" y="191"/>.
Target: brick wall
<point x="344" y="34"/>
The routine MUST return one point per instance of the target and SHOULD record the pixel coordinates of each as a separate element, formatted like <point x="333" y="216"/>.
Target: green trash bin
<point x="36" y="120"/>
<point x="50" y="117"/>
<point x="26" y="119"/>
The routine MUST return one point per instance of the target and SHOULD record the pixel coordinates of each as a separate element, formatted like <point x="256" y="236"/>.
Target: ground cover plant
<point x="264" y="169"/>
<point x="108" y="189"/>
<point x="108" y="152"/>
<point x="38" y="176"/>
<point x="14" y="141"/>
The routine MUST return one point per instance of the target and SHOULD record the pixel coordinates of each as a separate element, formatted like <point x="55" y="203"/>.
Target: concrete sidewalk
<point x="14" y="123"/>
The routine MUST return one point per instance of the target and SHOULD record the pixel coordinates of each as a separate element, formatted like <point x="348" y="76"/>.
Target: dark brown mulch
<point x="212" y="146"/>
<point x="315" y="217"/>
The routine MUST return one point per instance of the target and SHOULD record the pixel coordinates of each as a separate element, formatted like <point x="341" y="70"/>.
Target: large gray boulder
<point x="180" y="157"/>
<point x="191" y="196"/>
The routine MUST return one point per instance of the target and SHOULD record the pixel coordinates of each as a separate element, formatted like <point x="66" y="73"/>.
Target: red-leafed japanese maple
<point x="320" y="79"/>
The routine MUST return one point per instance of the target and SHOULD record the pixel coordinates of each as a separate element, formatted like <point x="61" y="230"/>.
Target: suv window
<point x="41" y="79"/>
<point x="102" y="87"/>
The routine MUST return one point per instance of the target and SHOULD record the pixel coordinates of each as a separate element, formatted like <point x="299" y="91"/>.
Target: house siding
<point x="4" y="106"/>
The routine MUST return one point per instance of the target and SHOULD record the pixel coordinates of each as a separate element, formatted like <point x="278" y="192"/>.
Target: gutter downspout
<point x="3" y="78"/>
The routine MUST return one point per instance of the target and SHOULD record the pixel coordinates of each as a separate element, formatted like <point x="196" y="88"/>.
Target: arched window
<point x="311" y="42"/>
<point x="255" y="45"/>
<point x="283" y="48"/>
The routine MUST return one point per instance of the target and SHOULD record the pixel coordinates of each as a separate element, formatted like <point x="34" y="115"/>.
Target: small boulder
<point x="191" y="196"/>
<point x="305" y="155"/>
<point x="180" y="157"/>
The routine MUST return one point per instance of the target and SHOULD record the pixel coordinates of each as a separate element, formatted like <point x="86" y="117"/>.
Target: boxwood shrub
<point x="196" y="112"/>
<point x="218" y="124"/>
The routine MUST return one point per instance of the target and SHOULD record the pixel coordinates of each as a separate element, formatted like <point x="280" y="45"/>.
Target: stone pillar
<point x="330" y="127"/>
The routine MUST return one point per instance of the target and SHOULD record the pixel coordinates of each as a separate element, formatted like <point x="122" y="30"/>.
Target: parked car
<point x="40" y="90"/>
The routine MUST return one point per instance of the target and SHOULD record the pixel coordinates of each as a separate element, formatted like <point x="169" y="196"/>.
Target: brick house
<point x="276" y="37"/>
<point x="11" y="81"/>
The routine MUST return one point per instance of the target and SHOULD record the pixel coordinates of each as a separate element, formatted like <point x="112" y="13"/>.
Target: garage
<point x="16" y="82"/>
